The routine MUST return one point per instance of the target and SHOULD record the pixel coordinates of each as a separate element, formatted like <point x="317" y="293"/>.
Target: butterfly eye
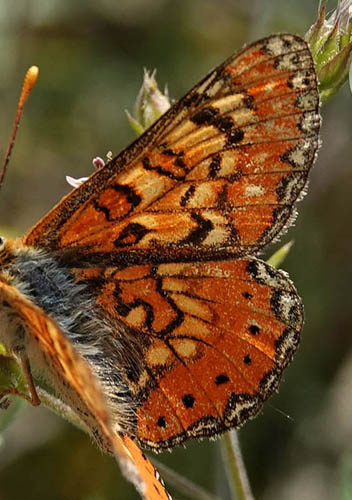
<point x="2" y="242"/>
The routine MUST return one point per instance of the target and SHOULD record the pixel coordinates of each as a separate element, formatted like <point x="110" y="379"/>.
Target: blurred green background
<point x="91" y="56"/>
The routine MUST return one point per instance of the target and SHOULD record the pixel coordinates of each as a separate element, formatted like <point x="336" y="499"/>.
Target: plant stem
<point x="235" y="468"/>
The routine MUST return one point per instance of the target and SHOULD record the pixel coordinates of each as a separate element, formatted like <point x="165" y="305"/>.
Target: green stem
<point x="235" y="468"/>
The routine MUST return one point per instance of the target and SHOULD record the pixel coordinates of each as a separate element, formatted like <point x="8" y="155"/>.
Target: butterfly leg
<point x="33" y="398"/>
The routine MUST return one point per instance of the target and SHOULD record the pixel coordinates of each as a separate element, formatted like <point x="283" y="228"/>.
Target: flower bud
<point x="330" y="40"/>
<point x="151" y="103"/>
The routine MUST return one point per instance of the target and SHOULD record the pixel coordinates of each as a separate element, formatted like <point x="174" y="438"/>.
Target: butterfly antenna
<point x="28" y="83"/>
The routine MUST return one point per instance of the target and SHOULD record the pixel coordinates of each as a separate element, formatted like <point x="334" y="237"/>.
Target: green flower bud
<point x="330" y="40"/>
<point x="151" y="103"/>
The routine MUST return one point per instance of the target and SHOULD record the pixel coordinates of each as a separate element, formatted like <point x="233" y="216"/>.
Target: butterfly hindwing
<point x="218" y="173"/>
<point x="217" y="338"/>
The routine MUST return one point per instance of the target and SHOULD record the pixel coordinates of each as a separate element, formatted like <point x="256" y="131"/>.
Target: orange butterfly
<point x="138" y="298"/>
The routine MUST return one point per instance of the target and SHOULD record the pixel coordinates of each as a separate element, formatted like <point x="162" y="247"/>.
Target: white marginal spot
<point x="277" y="279"/>
<point x="288" y="341"/>
<point x="275" y="45"/>
<point x="281" y="44"/>
<point x="270" y="383"/>
<point x="310" y="122"/>
<point x="302" y="155"/>
<point x="308" y="100"/>
<point x="286" y="303"/>
<point x="201" y="428"/>
<point x="295" y="61"/>
<point x="297" y="157"/>
<point x="289" y="187"/>
<point x="248" y="405"/>
<point x="287" y="345"/>
<point x="302" y="80"/>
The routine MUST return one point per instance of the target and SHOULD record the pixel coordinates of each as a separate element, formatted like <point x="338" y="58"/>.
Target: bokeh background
<point x="91" y="55"/>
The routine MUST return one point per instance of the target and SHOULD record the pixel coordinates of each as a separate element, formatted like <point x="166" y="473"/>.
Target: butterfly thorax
<point x="52" y="287"/>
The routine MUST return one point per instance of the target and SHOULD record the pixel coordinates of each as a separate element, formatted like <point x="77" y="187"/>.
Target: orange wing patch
<point x="83" y="393"/>
<point x="219" y="172"/>
<point x="217" y="337"/>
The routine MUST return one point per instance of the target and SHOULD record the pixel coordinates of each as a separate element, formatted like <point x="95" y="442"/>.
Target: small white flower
<point x="98" y="162"/>
<point x="75" y="182"/>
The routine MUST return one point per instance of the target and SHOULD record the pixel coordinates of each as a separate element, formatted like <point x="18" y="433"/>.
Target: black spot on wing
<point x="104" y="210"/>
<point x="204" y="116"/>
<point x="247" y="359"/>
<point x="254" y="329"/>
<point x="188" y="400"/>
<point x="222" y="378"/>
<point x="161" y="422"/>
<point x="131" y="235"/>
<point x="198" y="235"/>
<point x="214" y="166"/>
<point x="224" y="123"/>
<point x="234" y="136"/>
<point x="162" y="171"/>
<point x="180" y="163"/>
<point x="188" y="194"/>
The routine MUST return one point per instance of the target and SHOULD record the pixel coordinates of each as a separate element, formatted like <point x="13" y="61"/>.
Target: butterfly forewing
<point x="218" y="173"/>
<point x="81" y="391"/>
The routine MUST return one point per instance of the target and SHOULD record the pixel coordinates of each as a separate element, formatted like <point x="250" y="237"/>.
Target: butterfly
<point x="140" y="299"/>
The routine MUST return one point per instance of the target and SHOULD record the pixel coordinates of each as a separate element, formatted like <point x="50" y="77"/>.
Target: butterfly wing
<point x="217" y="337"/>
<point x="169" y="223"/>
<point x="79" y="385"/>
<point x="219" y="173"/>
